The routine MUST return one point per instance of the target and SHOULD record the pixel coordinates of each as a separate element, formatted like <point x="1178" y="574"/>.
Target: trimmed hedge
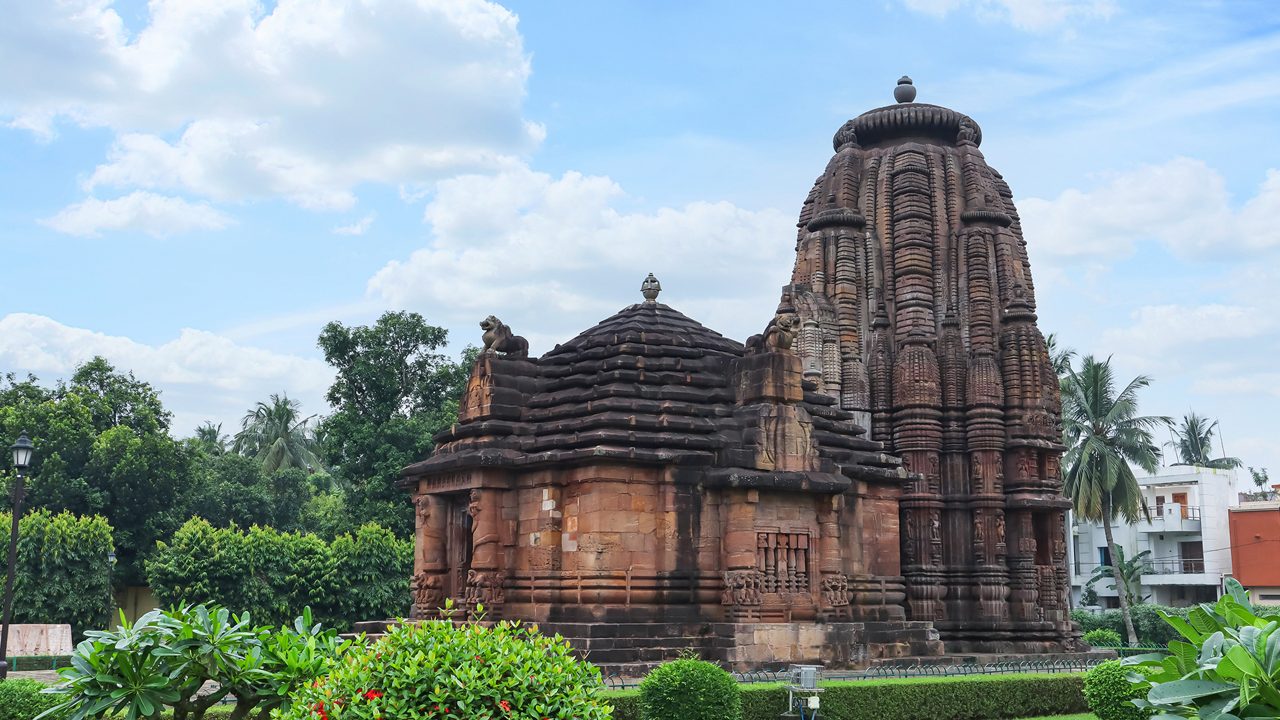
<point x="972" y="697"/>
<point x="64" y="574"/>
<point x="21" y="699"/>
<point x="273" y="575"/>
<point x="690" y="689"/>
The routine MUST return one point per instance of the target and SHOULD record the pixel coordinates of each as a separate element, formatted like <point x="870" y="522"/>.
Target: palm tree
<point x="1130" y="574"/>
<point x="1194" y="444"/>
<point x="210" y="437"/>
<point x="1061" y="357"/>
<point x="1104" y="434"/>
<point x="273" y="433"/>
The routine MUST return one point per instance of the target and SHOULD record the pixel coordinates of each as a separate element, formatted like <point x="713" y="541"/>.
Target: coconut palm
<point x="275" y="433"/>
<point x="1061" y="357"/>
<point x="1193" y="441"/>
<point x="1104" y="435"/>
<point x="210" y="437"/>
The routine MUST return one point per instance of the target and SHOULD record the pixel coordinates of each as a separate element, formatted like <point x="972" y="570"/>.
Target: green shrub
<point x="439" y="669"/>
<point x="1103" y="637"/>
<point x="64" y="574"/>
<point x="1110" y="694"/>
<point x="690" y="689"/>
<point x="273" y="575"/>
<point x="21" y="700"/>
<point x="1229" y="666"/>
<point x="165" y="659"/>
<point x="973" y="697"/>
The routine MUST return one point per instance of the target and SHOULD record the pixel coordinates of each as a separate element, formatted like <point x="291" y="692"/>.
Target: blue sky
<point x="193" y="188"/>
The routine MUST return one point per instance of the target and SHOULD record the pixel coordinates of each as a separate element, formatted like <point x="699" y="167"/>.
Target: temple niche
<point x="874" y="475"/>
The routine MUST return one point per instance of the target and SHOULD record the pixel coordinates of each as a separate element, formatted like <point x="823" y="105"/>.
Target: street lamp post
<point x="22" y="451"/>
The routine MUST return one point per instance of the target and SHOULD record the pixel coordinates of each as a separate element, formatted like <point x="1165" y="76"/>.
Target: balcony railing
<point x="1171" y="517"/>
<point x="1173" y="567"/>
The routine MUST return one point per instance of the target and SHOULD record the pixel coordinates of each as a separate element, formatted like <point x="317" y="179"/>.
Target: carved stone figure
<point x="485" y="587"/>
<point x="428" y="593"/>
<point x="498" y="339"/>
<point x="835" y="590"/>
<point x="778" y="335"/>
<point x="742" y="587"/>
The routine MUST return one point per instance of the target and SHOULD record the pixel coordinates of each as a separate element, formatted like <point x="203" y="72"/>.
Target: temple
<point x="875" y="475"/>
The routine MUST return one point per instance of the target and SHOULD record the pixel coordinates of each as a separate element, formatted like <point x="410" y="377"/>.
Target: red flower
<point x="372" y="694"/>
<point x="319" y="708"/>
<point x="506" y="706"/>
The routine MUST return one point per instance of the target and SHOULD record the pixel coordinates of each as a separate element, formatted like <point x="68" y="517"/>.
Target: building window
<point x="1269" y="597"/>
<point x="1104" y="556"/>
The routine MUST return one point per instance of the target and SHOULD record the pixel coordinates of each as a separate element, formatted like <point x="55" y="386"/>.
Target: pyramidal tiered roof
<point x="648" y="384"/>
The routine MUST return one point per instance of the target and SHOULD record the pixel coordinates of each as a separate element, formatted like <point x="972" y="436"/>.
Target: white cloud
<point x="554" y="255"/>
<point x="358" y="227"/>
<point x="1182" y="204"/>
<point x="202" y="375"/>
<point x="155" y="215"/>
<point x="222" y="99"/>
<point x="1033" y="15"/>
<point x="1160" y="328"/>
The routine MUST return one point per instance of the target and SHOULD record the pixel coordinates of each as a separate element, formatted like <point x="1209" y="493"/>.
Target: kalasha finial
<point x="905" y="92"/>
<point x="650" y="288"/>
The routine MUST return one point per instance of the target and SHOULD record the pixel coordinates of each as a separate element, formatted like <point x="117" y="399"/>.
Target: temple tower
<point x="917" y="313"/>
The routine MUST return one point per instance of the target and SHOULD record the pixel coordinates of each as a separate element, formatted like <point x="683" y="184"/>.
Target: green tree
<point x="1061" y="357"/>
<point x="1260" y="478"/>
<point x="1194" y="444"/>
<point x="118" y="399"/>
<point x="276" y="434"/>
<point x="209" y="437"/>
<point x="393" y="392"/>
<point x="1104" y="435"/>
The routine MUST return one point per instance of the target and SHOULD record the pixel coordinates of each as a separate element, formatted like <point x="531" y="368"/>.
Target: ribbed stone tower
<point x="917" y="313"/>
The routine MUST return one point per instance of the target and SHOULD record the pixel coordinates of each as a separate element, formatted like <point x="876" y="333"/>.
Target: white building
<point x="1188" y="535"/>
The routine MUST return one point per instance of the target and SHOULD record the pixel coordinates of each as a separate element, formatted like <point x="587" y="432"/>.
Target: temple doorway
<point x="458" y="544"/>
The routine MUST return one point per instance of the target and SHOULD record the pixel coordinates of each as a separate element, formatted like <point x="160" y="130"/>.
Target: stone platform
<point x="632" y="649"/>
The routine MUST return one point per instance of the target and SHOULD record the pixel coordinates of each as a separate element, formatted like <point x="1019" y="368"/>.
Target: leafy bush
<point x="1110" y="694"/>
<point x="64" y="574"/>
<point x="692" y="689"/>
<point x="168" y="656"/>
<point x="440" y="669"/>
<point x="1103" y="637"/>
<point x="272" y="575"/>
<point x="21" y="699"/>
<point x="1229" y="668"/>
<point x="1148" y="622"/>
<point x="973" y="697"/>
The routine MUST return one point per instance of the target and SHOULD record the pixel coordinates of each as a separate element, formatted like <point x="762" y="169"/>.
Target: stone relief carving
<point x="742" y="587"/>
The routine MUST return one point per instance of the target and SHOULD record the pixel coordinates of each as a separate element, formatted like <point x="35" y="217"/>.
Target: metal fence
<point x="911" y="670"/>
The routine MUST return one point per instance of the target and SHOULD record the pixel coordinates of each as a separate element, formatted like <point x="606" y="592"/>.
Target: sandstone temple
<point x="875" y="475"/>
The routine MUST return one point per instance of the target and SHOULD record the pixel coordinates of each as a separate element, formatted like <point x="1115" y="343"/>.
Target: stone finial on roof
<point x="650" y="288"/>
<point x="905" y="92"/>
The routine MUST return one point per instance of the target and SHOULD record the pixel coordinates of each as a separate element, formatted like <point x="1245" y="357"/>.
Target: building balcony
<point x="1178" y="572"/>
<point x="1171" y="518"/>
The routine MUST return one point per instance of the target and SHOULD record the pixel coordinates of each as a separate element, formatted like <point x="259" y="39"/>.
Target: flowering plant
<point x="442" y="669"/>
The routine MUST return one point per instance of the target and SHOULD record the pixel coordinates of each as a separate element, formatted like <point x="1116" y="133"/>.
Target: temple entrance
<point x="458" y="544"/>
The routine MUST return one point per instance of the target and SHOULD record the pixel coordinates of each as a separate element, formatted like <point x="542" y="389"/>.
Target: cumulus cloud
<point x="1182" y="204"/>
<point x="358" y="227"/>
<point x="1032" y="15"/>
<point x="222" y="99"/>
<point x="155" y="215"/>
<point x="557" y="254"/>
<point x="202" y="375"/>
